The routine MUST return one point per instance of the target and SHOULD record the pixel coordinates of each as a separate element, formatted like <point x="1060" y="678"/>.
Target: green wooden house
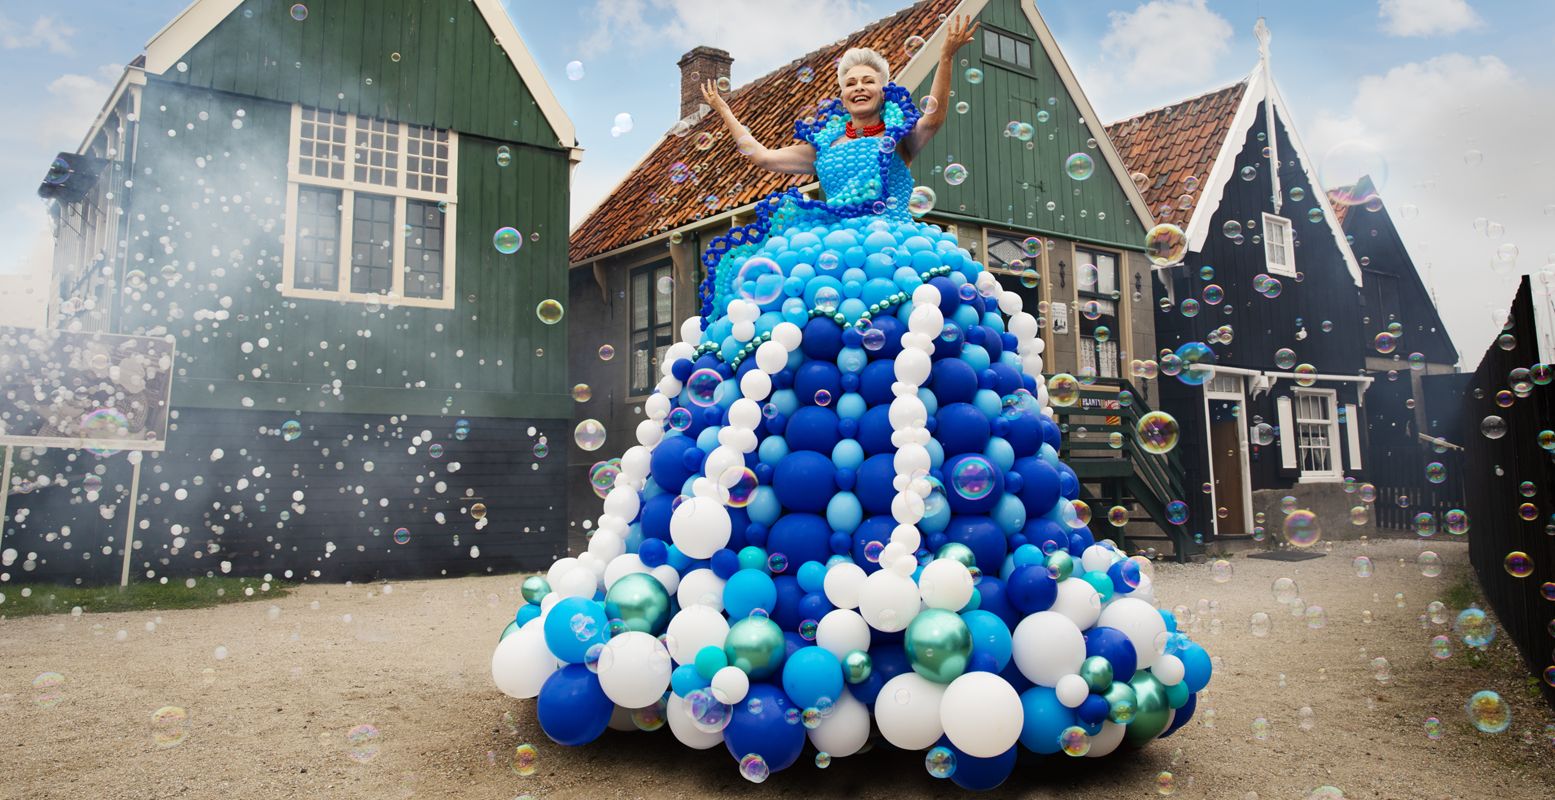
<point x="1040" y="166"/>
<point x="306" y="196"/>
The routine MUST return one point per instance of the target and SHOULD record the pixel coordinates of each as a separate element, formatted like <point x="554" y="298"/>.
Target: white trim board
<point x="197" y="21"/>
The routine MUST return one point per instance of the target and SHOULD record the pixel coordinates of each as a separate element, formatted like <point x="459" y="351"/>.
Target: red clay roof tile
<point x="1169" y="145"/>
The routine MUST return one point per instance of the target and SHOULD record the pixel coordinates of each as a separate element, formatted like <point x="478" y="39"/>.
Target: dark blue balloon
<point x="1024" y="433"/>
<point x="812" y="428"/>
<point x="1006" y="379"/>
<point x="786" y="615"/>
<point x="573" y="710"/>
<point x="874" y="431"/>
<point x="656" y="512"/>
<point x="1113" y="645"/>
<point x="984" y="537"/>
<point x="1047" y="535"/>
<point x="887" y="662"/>
<point x="801" y="537"/>
<point x="803" y="480"/>
<point x="949" y="299"/>
<point x="653" y="552"/>
<point x="1068" y="484"/>
<point x="1079" y="540"/>
<point x="1032" y="589"/>
<point x="872" y="529"/>
<point x="960" y="502"/>
<point x="725" y="563"/>
<point x="980" y="774"/>
<point x="1184" y="715"/>
<point x="994" y="596"/>
<point x="961" y="428"/>
<point x="817" y="376"/>
<point x="1094" y="709"/>
<point x="893" y="329"/>
<point x="875" y="383"/>
<point x="765" y="731"/>
<point x="667" y="465"/>
<point x="873" y="484"/>
<point x="993" y="342"/>
<point x="813" y="606"/>
<point x="822" y="339"/>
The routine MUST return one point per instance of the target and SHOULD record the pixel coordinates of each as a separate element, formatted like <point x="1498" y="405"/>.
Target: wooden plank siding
<point x="456" y="77"/>
<point x="477" y="358"/>
<point x="1010" y="185"/>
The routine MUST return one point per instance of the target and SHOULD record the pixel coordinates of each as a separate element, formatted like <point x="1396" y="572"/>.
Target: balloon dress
<point x="846" y="514"/>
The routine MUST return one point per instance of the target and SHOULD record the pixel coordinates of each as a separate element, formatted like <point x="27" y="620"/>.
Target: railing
<point x="1151" y="479"/>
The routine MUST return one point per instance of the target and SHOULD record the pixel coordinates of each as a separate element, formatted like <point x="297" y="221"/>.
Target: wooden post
<point x="5" y="491"/>
<point x="129" y="525"/>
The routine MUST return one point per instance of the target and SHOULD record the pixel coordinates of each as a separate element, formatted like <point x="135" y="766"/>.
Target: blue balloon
<point x="1094" y="709"/>
<point x="812" y="428"/>
<point x="822" y="339"/>
<point x="1196" y="665"/>
<point x="1038" y="485"/>
<point x="874" y="430"/>
<point x="655" y="515"/>
<point x="812" y="675"/>
<point x="685" y="680"/>
<point x="804" y="481"/>
<point x="1032" y="589"/>
<point x="961" y="428"/>
<point x="572" y="708"/>
<point x="1045" y="719"/>
<point x="980" y="774"/>
<point x="844" y="512"/>
<point x="1113" y="645"/>
<point x="887" y="662"/>
<point x="526" y="613"/>
<point x="800" y="537"/>
<point x="1184" y="714"/>
<point x="873" y="485"/>
<point x="990" y="636"/>
<point x="667" y="465"/>
<point x="574" y="625"/>
<point x="983" y="536"/>
<point x="748" y="590"/>
<point x="952" y="381"/>
<point x="759" y="726"/>
<point x="993" y="596"/>
<point x="789" y="596"/>
<point x="813" y="377"/>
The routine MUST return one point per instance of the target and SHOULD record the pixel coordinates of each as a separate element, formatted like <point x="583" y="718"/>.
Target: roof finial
<point x="1261" y="30"/>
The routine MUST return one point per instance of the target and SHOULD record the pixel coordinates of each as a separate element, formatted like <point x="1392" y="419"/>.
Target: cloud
<point x="760" y="36"/>
<point x="73" y="104"/>
<point x="1426" y="17"/>
<point x="1454" y="132"/>
<point x="1166" y="42"/>
<point x="46" y="32"/>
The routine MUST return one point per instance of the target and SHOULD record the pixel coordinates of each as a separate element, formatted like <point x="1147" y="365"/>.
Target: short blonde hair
<point x="863" y="56"/>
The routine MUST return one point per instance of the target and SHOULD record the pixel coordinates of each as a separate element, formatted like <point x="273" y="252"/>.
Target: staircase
<point x="1125" y="476"/>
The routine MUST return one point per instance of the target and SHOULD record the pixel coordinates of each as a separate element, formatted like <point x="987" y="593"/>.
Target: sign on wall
<point x="1060" y="314"/>
<point x="97" y="391"/>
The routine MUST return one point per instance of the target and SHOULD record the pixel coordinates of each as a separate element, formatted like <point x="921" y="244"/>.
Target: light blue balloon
<point x="685" y="680"/>
<point x="748" y="590"/>
<point x="936" y="453"/>
<point x="844" y="513"/>
<point x="1196" y="666"/>
<point x="1028" y="554"/>
<point x="772" y="450"/>
<point x="848" y="454"/>
<point x="1010" y="358"/>
<point x="976" y="355"/>
<point x="707" y="440"/>
<point x="853" y="309"/>
<point x="930" y="402"/>
<point x="634" y="537"/>
<point x="1010" y="514"/>
<point x="573" y="626"/>
<point x="965" y="316"/>
<point x="989" y="635"/>
<point x="851" y="405"/>
<point x="1048" y="455"/>
<point x="1000" y="453"/>
<point x="812" y="576"/>
<point x="988" y="401"/>
<point x="812" y="675"/>
<point x="785" y="401"/>
<point x="852" y="359"/>
<point x="1045" y="719"/>
<point x="936" y="513"/>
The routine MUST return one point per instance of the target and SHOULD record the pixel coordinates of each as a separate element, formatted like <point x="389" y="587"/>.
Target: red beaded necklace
<point x="869" y="130"/>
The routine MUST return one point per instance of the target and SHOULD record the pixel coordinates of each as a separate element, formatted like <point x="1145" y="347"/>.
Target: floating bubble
<point x="1474" y="627"/>
<point x="1488" y="712"/>
<point x="1063" y="390"/>
<point x="549" y="311"/>
<point x="1258" y="624"/>
<point x="1165" y="783"/>
<point x="581" y="393"/>
<point x="48" y="689"/>
<point x="1363" y="566"/>
<point x="702" y="386"/>
<point x="1518" y="564"/>
<point x="921" y="201"/>
<point x="940" y="762"/>
<point x="1343" y="166"/>
<point x="760" y="280"/>
<point x="956" y="174"/>
<point x="589" y="435"/>
<point x="680" y="418"/>
<point x="504" y="155"/>
<point x="973" y="477"/>
<point x="1079" y="166"/>
<point x="1430" y="564"/>
<point x="974" y="75"/>
<point x="741" y="483"/>
<point x="1158" y="432"/>
<point x="507" y="240"/>
<point x="1176" y="512"/>
<point x="170" y="724"/>
<point x="1433" y="728"/>
<point x="291" y="430"/>
<point x="1441" y="647"/>
<point x="1165" y="244"/>
<point x="526" y="759"/>
<point x="1285" y="590"/>
<point x="299" y="12"/>
<point x="402" y="536"/>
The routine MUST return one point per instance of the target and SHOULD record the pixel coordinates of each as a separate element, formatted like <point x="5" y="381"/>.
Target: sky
<point x="1453" y="99"/>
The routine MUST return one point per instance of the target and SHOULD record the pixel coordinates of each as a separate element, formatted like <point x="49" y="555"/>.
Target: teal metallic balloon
<point x="1177" y="694"/>
<point x="511" y="628"/>
<point x="756" y="646"/>
<point x="1101" y="583"/>
<point x="753" y="557"/>
<point x="1154" y="711"/>
<point x="956" y="551"/>
<point x="857" y="666"/>
<point x="939" y="644"/>
<point x="1061" y="565"/>
<point x="536" y="587"/>
<point x="1122" y="705"/>
<point x="640" y="602"/>
<point x="1097" y="672"/>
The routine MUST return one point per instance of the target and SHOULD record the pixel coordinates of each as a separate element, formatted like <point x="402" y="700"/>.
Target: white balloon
<point x="907" y="412"/>
<point x="1024" y="326"/>
<point x="925" y="295"/>
<point x="579" y="581"/>
<point x="912" y="366"/>
<point x="982" y="714"/>
<point x="841" y="631"/>
<point x="623" y="503"/>
<point x="1079" y="601"/>
<point x="667" y="577"/>
<point x="911" y="459"/>
<point x="745" y="413"/>
<point x="607" y="544"/>
<point x="622" y="566"/>
<point x="522" y="662"/>
<point x="771" y="357"/>
<point x="907" y="508"/>
<point x="685" y="729"/>
<point x="699" y="527"/>
<point x="701" y="587"/>
<point x="691" y="331"/>
<point x="888" y="601"/>
<point x="730" y="685"/>
<point x="559" y="567"/>
<point x="650" y="433"/>
<point x="656" y="407"/>
<point x="1141" y="623"/>
<point x="845" y="730"/>
<point x="635" y="462"/>
<point x="1047" y="646"/>
<point x="946" y="583"/>
<point x="693" y="628"/>
<point x="679" y="350"/>
<point x="621" y="720"/>
<point x="1169" y="670"/>
<point x="926" y="320"/>
<point x="908" y="711"/>
<point x="634" y="669"/>
<point x="756" y="384"/>
<point x="787" y="334"/>
<point x="1072" y="691"/>
<point x="1107" y="741"/>
<point x="1096" y="558"/>
<point x="908" y="536"/>
<point x="744" y="331"/>
<point x="842" y="584"/>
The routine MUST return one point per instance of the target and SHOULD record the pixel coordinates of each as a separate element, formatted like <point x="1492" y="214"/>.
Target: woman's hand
<point x="961" y="32"/>
<point x="714" y="98"/>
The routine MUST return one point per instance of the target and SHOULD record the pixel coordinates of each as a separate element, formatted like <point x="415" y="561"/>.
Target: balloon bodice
<point x="850" y="168"/>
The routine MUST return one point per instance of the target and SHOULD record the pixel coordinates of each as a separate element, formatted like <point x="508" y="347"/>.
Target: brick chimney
<point x="699" y="65"/>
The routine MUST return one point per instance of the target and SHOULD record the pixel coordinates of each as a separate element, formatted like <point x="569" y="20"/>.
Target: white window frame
<point x="1288" y="266"/>
<point x="1330" y="400"/>
<point x="348" y="187"/>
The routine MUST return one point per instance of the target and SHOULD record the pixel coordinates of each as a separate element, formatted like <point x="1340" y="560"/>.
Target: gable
<point x="1025" y="184"/>
<point x="454" y="64"/>
<point x="1389" y="270"/>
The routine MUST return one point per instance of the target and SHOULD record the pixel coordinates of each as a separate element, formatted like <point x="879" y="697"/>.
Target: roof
<point x="201" y="17"/>
<point x="1171" y="145"/>
<point x="715" y="176"/>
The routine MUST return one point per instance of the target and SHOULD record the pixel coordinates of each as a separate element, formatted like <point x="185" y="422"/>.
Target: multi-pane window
<point x="1096" y="280"/>
<point x="1011" y="50"/>
<point x="371" y="210"/>
<point x="652" y="324"/>
<point x="1278" y="251"/>
<point x="1317" y="433"/>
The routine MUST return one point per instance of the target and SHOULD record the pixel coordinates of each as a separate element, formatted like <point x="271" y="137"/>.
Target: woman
<point x="848" y="452"/>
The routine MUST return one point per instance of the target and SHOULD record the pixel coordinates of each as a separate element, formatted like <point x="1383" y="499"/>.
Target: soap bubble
<point x="940" y="762"/>
<point x="1474" y="627"/>
<point x="1079" y="166"/>
<point x="1158" y="432"/>
<point x="507" y="241"/>
<point x="1165" y="243"/>
<point x="702" y="385"/>
<point x="590" y="435"/>
<point x="299" y="12"/>
<point x="921" y="201"/>
<point x="973" y="477"/>
<point x="1489" y="712"/>
<point x="760" y="280"/>
<point x="956" y="174"/>
<point x="1430" y="564"/>
<point x="549" y="311"/>
<point x="1518" y="564"/>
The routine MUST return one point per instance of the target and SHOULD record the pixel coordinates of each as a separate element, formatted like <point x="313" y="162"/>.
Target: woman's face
<point x="862" y="91"/>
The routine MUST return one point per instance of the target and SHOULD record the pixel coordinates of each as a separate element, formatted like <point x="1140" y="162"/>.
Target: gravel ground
<point x="272" y="691"/>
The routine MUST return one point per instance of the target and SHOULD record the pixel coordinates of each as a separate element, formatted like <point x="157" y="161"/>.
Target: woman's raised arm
<point x="796" y="159"/>
<point x="960" y="34"/>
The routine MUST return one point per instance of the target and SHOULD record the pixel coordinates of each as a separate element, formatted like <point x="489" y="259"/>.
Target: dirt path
<point x="270" y="719"/>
